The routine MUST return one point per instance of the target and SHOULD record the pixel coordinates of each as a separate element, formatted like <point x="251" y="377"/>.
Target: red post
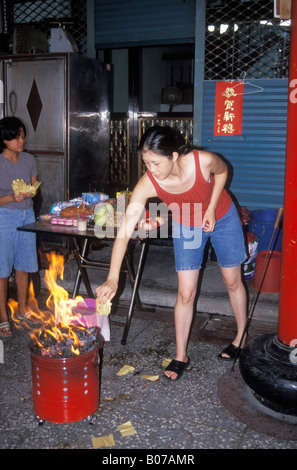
<point x="287" y="321"/>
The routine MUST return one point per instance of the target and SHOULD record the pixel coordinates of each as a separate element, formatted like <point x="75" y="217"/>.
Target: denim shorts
<point x="17" y="249"/>
<point x="227" y="240"/>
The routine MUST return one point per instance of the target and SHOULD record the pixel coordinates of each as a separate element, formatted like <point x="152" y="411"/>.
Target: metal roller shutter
<point x="126" y="23"/>
<point x="258" y="155"/>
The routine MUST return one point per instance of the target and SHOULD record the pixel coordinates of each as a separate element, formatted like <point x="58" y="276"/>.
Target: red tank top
<point x="189" y="207"/>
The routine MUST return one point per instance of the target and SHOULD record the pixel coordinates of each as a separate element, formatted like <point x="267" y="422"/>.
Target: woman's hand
<point x="106" y="291"/>
<point x="21" y="196"/>
<point x="209" y="220"/>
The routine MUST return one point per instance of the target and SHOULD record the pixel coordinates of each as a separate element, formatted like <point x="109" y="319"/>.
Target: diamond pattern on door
<point x="34" y="105"/>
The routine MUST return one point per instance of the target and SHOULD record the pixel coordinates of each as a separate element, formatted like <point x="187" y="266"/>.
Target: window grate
<point x="41" y="16"/>
<point x="243" y="39"/>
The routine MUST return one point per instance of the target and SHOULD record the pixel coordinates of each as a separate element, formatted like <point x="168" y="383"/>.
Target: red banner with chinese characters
<point x="228" y="112"/>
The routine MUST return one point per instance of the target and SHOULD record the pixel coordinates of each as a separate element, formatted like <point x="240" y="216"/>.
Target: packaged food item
<point x="76" y="210"/>
<point x="63" y="221"/>
<point x="93" y="198"/>
<point x="58" y="206"/>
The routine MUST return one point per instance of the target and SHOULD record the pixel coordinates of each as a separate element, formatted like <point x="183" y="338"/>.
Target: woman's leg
<point x="3" y="299"/>
<point x="183" y="313"/>
<point x="22" y="283"/>
<point x="238" y="299"/>
<point x="3" y="307"/>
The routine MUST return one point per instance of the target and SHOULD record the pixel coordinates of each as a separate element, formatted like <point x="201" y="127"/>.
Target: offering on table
<point x="149" y="223"/>
<point x="75" y="211"/>
<point x="104" y="213"/>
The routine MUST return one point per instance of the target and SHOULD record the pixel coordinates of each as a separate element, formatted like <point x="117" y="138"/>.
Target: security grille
<point x="243" y="39"/>
<point x="28" y="23"/>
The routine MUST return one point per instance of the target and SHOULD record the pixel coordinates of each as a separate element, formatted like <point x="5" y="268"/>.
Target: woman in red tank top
<point x="182" y="177"/>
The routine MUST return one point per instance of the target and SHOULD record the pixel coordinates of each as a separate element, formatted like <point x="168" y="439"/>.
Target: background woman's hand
<point x="21" y="196"/>
<point x="106" y="291"/>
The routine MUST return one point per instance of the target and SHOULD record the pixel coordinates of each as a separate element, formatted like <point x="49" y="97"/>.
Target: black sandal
<point x="232" y="351"/>
<point x="178" y="367"/>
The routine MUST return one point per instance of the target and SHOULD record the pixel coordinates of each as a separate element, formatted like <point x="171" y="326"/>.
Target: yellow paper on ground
<point x="152" y="378"/>
<point x="125" y="370"/>
<point x="166" y="362"/>
<point x="103" y="441"/>
<point x="127" y="429"/>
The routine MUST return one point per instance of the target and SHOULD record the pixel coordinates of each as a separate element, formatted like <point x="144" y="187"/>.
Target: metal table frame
<point x="83" y="263"/>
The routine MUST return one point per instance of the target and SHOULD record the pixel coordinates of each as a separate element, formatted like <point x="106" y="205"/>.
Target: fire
<point x="55" y="326"/>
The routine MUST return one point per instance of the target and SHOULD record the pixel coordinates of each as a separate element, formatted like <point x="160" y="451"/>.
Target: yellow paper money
<point x="103" y="309"/>
<point x="125" y="370"/>
<point x="127" y="429"/>
<point x="20" y="186"/>
<point x="166" y="362"/>
<point x="103" y="441"/>
<point x="152" y="378"/>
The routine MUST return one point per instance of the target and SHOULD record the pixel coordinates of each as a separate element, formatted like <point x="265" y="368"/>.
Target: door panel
<point x="35" y="93"/>
<point x="51" y="173"/>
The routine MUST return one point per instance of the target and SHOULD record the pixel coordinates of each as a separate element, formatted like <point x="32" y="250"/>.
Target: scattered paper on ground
<point x="127" y="429"/>
<point x="125" y="370"/>
<point x="103" y="441"/>
<point x="166" y="362"/>
<point x="103" y="309"/>
<point x="152" y="378"/>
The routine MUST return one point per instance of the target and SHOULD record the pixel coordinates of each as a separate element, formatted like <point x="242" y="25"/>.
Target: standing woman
<point x="17" y="249"/>
<point x="191" y="184"/>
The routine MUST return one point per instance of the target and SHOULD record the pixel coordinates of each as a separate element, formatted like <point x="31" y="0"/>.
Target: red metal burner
<point x="66" y="389"/>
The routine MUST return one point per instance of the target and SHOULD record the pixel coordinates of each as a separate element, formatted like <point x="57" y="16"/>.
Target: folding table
<point x="82" y="241"/>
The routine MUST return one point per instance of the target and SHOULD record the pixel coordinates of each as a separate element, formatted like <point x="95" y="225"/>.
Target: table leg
<point x="81" y="272"/>
<point x="131" y="273"/>
<point x="134" y="294"/>
<point x="82" y="263"/>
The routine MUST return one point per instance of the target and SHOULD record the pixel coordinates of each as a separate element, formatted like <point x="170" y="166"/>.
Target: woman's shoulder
<point x="206" y="157"/>
<point x="187" y="160"/>
<point x="145" y="181"/>
<point x="29" y="159"/>
<point x="28" y="155"/>
<point x="145" y="184"/>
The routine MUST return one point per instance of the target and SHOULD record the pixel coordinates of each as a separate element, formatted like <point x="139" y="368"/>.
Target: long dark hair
<point x="163" y="141"/>
<point x="9" y="130"/>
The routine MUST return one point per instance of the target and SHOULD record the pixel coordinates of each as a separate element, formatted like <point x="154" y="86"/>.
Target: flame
<point x="57" y="321"/>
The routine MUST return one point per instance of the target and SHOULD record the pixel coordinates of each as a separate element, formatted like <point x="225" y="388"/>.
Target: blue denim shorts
<point x="17" y="249"/>
<point x="227" y="240"/>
